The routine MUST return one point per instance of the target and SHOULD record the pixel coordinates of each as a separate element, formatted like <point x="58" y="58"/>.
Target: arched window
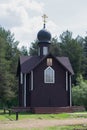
<point x="49" y="75"/>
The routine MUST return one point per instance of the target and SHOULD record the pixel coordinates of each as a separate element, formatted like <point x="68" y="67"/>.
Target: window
<point x="49" y="61"/>
<point x="45" y="50"/>
<point x="49" y="75"/>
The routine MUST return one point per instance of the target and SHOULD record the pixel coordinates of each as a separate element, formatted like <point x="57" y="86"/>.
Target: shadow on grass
<point x="10" y="118"/>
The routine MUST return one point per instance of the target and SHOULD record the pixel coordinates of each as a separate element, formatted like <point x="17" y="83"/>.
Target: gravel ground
<point x="40" y="123"/>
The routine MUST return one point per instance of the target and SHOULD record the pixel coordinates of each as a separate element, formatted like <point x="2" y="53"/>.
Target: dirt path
<point x="40" y="123"/>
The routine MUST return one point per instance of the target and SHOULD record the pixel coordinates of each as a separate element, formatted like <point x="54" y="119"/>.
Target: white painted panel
<point x="21" y="78"/>
<point x="31" y="80"/>
<point x="70" y="91"/>
<point x="66" y="80"/>
<point x="24" y="90"/>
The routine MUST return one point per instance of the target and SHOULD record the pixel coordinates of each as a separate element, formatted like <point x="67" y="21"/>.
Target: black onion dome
<point x="44" y="36"/>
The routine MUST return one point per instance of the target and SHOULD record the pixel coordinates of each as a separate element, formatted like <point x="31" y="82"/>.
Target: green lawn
<point x="72" y="127"/>
<point x="34" y="116"/>
<point x="6" y="117"/>
<point x="42" y="116"/>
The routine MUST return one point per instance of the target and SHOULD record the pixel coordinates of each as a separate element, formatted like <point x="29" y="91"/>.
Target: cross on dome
<point x="44" y="19"/>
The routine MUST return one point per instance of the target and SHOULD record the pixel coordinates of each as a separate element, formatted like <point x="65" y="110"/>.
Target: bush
<point x="9" y="103"/>
<point x="79" y="93"/>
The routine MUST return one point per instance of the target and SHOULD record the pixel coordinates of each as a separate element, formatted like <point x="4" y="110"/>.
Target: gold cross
<point x="44" y="19"/>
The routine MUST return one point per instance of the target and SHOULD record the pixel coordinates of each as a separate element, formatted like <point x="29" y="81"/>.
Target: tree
<point x="72" y="48"/>
<point x="84" y="61"/>
<point x="24" y="51"/>
<point x="66" y="37"/>
<point x="34" y="48"/>
<point x="85" y="46"/>
<point x="8" y="65"/>
<point x="79" y="92"/>
<point x="55" y="47"/>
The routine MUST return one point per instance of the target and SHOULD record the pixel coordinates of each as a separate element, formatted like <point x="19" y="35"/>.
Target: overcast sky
<point x="23" y="17"/>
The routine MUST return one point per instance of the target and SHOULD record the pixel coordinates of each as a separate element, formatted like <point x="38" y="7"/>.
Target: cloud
<point x="27" y="32"/>
<point x="16" y="16"/>
<point x="23" y="17"/>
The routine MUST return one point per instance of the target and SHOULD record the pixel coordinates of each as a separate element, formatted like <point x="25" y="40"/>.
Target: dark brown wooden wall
<point x="49" y="95"/>
<point x="28" y="92"/>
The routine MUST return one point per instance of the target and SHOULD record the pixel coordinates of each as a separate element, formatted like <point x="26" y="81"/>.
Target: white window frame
<point x="45" y="50"/>
<point x="53" y="75"/>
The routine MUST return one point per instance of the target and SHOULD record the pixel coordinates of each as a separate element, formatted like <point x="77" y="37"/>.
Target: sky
<point x="24" y="18"/>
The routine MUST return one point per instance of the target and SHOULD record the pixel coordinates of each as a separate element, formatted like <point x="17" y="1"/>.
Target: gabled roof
<point x="28" y="63"/>
<point x="66" y="63"/>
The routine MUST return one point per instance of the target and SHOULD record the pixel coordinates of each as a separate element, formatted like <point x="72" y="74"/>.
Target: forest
<point x="65" y="45"/>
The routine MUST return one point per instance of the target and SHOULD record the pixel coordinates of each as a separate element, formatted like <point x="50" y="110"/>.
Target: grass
<point x="4" y="117"/>
<point x="71" y="127"/>
<point x="33" y="116"/>
<point x="45" y="116"/>
<point x="78" y="115"/>
<point x="16" y="129"/>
